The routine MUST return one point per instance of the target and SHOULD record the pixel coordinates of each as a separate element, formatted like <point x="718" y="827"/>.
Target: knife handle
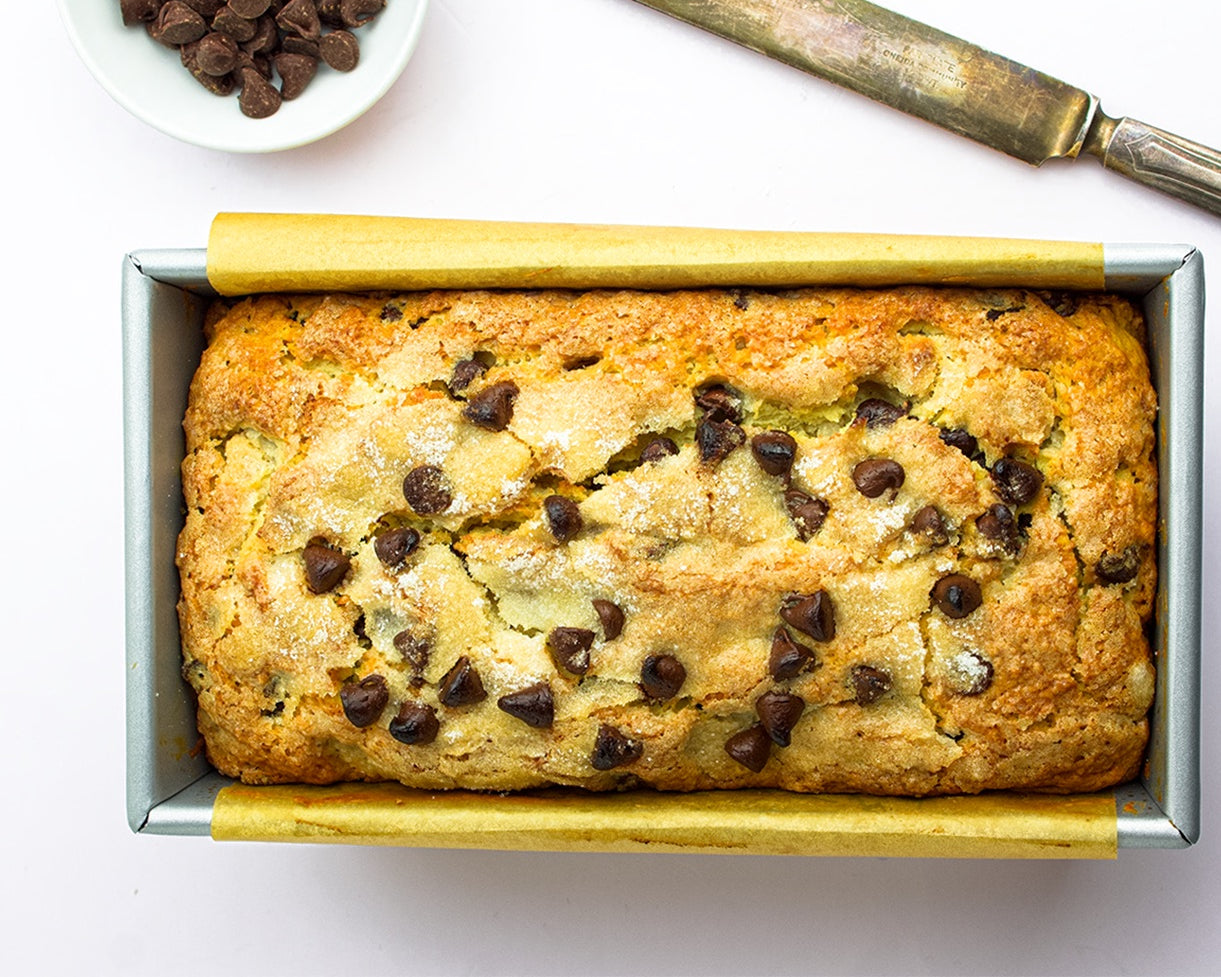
<point x="1159" y="159"/>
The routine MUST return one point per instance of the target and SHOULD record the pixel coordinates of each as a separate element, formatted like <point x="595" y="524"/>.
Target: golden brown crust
<point x="308" y="413"/>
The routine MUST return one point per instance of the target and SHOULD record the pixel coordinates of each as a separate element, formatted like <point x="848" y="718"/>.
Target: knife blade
<point x="959" y="86"/>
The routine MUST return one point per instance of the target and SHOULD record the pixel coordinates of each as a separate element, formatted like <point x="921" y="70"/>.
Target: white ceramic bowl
<point x="148" y="80"/>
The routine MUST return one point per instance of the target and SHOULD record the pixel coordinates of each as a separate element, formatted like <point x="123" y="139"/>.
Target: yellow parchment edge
<point x="250" y="253"/>
<point x="755" y="822"/>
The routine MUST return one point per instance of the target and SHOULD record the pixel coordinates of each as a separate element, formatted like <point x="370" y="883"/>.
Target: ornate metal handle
<point x="1159" y="159"/>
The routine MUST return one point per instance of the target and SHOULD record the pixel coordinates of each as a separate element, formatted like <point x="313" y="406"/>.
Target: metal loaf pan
<point x="171" y="788"/>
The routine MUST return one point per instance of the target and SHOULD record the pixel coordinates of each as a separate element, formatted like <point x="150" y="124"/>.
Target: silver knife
<point x="957" y="85"/>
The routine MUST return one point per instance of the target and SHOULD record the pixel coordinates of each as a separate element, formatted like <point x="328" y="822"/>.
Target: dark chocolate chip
<point x="869" y="684"/>
<point x="395" y="545"/>
<point x="216" y="54"/>
<point x="811" y="614"/>
<point x="216" y="84"/>
<point x="258" y="98"/>
<point x="465" y="372"/>
<point x="340" y="50"/>
<point x="569" y="648"/>
<point x="250" y="9"/>
<point x="296" y="71"/>
<point x="205" y="8"/>
<point x="356" y="13"/>
<point x="997" y="523"/>
<point x="976" y="678"/>
<point x="873" y="476"/>
<point x="1016" y="482"/>
<point x="266" y="39"/>
<point x="719" y="403"/>
<point x="563" y="517"/>
<point x="292" y="44"/>
<point x="427" y="490"/>
<point x="807" y="513"/>
<point x="461" y="685"/>
<point x="750" y="747"/>
<point x="741" y="301"/>
<point x="415" y="725"/>
<point x="611" y="616"/>
<point x="390" y="313"/>
<point x="658" y="448"/>
<point x="614" y="749"/>
<point x="958" y="438"/>
<point x="929" y="523"/>
<point x="364" y="701"/>
<point x="415" y="651"/>
<point x="136" y="12"/>
<point x="178" y="24"/>
<point x="788" y="658"/>
<point x="779" y="712"/>
<point x="324" y="567"/>
<point x="1119" y="567"/>
<point x="717" y="439"/>
<point x="582" y="362"/>
<point x="957" y="595"/>
<point x="661" y="676"/>
<point x="492" y="407"/>
<point x="774" y="451"/>
<point x="239" y="28"/>
<point x="300" y="17"/>
<point x="534" y="705"/>
<point x="876" y="412"/>
<point x="1063" y="303"/>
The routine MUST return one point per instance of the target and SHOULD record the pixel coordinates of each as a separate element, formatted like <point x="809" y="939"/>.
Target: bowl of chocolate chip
<point x="245" y="76"/>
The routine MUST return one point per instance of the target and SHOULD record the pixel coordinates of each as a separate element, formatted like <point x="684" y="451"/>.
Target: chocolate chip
<point x="658" y="448"/>
<point x="717" y="439"/>
<point x="324" y="567"/>
<point x="239" y="28"/>
<point x="974" y="673"/>
<point x="751" y="747"/>
<point x="395" y="545"/>
<point x="929" y="523"/>
<point x="250" y="9"/>
<point x="873" y="476"/>
<point x="534" y="705"/>
<point x="957" y="595"/>
<point x="461" y="685"/>
<point x="390" y="313"/>
<point x="1016" y="482"/>
<point x="292" y="44"/>
<point x="258" y="98"/>
<point x="415" y="725"/>
<point x="364" y="701"/>
<point x="465" y="371"/>
<point x="205" y="8"/>
<point x="960" y="439"/>
<point x="614" y="749"/>
<point x="216" y="53"/>
<point x="582" y="362"/>
<point x="812" y="614"/>
<point x="340" y="50"/>
<point x="1119" y="567"/>
<point x="869" y="684"/>
<point x="427" y="490"/>
<point x="355" y="13"/>
<point x="296" y="71"/>
<point x="136" y="12"/>
<point x="178" y="24"/>
<point x="788" y="658"/>
<point x="807" y="513"/>
<point x="300" y="17"/>
<point x="492" y="407"/>
<point x="569" y="648"/>
<point x="266" y="39"/>
<point x="779" y="712"/>
<point x="719" y="403"/>
<point x="216" y="84"/>
<point x="1063" y="303"/>
<point x="563" y="517"/>
<point x="415" y="651"/>
<point x="876" y="412"/>
<point x="611" y="616"/>
<point x="997" y="523"/>
<point x="774" y="451"/>
<point x="661" y="676"/>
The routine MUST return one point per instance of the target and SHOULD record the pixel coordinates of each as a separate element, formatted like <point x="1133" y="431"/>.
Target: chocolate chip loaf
<point x="893" y="542"/>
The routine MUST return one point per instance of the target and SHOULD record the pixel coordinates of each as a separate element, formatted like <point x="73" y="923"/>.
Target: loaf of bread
<point x="896" y="542"/>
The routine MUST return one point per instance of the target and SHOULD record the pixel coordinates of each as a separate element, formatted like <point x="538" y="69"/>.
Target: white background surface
<point x="592" y="111"/>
